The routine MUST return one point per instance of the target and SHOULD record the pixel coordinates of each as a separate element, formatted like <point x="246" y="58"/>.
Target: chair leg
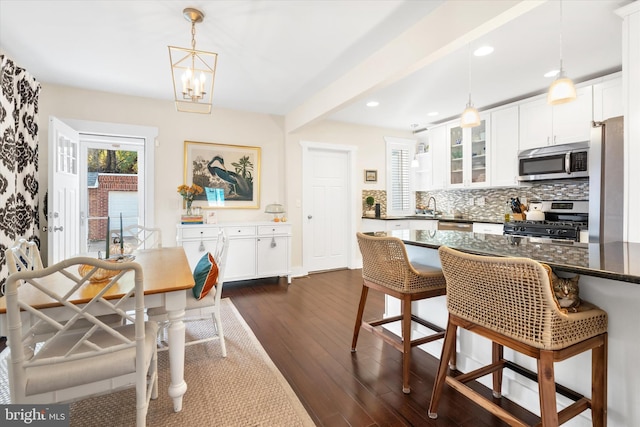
<point x="218" y="324"/>
<point x="154" y="375"/>
<point x="547" y="389"/>
<point x="356" y="329"/>
<point x="447" y="348"/>
<point x="599" y="384"/>
<point x="406" y="343"/>
<point x="497" y="354"/>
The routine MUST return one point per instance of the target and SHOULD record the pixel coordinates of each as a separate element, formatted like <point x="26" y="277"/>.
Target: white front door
<point x="64" y="198"/>
<point x="327" y="207"/>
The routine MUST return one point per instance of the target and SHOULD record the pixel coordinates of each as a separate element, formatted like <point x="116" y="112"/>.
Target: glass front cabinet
<point x="467" y="149"/>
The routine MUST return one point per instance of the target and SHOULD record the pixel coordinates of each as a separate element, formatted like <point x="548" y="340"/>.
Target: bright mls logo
<point x="36" y="415"/>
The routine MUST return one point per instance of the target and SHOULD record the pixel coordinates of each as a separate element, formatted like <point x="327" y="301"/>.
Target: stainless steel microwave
<point x="561" y="161"/>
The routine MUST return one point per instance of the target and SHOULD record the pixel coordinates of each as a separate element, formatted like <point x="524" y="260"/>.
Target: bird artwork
<point x="240" y="184"/>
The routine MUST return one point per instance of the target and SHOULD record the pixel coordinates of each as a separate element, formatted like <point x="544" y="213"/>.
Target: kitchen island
<point x="609" y="274"/>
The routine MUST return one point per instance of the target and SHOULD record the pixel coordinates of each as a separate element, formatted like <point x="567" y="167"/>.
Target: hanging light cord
<point x="560" y="72"/>
<point x="469" y="71"/>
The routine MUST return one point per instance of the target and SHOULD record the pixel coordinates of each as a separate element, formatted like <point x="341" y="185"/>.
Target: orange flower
<point x="188" y="193"/>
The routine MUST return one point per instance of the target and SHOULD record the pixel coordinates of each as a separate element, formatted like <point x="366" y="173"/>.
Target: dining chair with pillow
<point x="203" y="301"/>
<point x="77" y="363"/>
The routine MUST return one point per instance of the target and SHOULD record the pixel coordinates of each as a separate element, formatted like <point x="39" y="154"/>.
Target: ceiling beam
<point x="449" y="27"/>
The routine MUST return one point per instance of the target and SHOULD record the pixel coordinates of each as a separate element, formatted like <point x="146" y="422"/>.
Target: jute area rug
<point x="243" y="389"/>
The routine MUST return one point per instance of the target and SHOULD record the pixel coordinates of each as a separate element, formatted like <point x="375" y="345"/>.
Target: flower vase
<point x="189" y="212"/>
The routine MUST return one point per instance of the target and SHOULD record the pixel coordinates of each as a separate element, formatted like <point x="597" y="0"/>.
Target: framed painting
<point x="229" y="174"/>
<point x="370" y="175"/>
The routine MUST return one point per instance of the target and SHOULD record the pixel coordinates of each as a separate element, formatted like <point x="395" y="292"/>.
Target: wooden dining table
<point x="167" y="275"/>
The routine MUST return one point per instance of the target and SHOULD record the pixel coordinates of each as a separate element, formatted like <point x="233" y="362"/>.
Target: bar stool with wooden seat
<point x="510" y="301"/>
<point x="386" y="268"/>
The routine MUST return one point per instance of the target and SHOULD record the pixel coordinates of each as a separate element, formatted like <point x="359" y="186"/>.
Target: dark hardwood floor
<point x="307" y="327"/>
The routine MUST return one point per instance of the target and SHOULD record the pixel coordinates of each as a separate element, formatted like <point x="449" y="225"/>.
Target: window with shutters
<point x="399" y="155"/>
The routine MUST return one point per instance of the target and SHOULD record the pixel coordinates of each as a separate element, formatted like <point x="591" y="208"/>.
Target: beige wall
<point x="280" y="167"/>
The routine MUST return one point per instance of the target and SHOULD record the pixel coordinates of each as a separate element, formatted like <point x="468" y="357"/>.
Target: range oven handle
<point x="567" y="162"/>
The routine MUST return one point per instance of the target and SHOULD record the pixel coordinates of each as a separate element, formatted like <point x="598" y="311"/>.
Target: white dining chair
<point x="24" y="255"/>
<point x="77" y="363"/>
<point x="206" y="307"/>
<point x="142" y="237"/>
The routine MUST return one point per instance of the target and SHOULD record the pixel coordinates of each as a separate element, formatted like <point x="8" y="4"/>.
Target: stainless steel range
<point x="564" y="220"/>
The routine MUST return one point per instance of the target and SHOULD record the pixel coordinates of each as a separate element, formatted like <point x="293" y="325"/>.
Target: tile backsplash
<point x="380" y="196"/>
<point x="468" y="202"/>
<point x="488" y="204"/>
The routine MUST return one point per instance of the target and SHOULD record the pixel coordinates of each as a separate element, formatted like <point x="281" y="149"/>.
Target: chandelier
<point x="192" y="71"/>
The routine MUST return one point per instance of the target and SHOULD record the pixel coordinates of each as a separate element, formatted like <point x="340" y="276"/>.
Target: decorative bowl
<point x="102" y="275"/>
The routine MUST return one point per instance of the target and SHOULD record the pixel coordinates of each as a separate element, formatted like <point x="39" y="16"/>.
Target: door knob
<point x="309" y="216"/>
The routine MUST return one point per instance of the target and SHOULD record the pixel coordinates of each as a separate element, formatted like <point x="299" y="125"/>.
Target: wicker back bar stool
<point x="386" y="268"/>
<point x="510" y="302"/>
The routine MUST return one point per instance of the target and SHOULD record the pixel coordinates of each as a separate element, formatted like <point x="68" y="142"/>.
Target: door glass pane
<point x="478" y="153"/>
<point x="455" y="138"/>
<point x="112" y="190"/>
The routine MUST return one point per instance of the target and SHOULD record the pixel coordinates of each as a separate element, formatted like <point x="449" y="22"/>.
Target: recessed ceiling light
<point x="483" y="51"/>
<point x="433" y="113"/>
<point x="551" y="73"/>
<point x="373" y="104"/>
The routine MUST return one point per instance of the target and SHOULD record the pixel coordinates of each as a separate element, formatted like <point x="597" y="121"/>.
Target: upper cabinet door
<point x="607" y="99"/>
<point x="572" y="121"/>
<point x="542" y="124"/>
<point x="504" y="147"/>
<point x="536" y="123"/>
<point x="467" y="160"/>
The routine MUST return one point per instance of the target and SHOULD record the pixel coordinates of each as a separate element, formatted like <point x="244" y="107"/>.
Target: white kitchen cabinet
<point x="467" y="154"/>
<point x="504" y="147"/>
<point x="423" y="174"/>
<point x="423" y="224"/>
<point x="542" y="124"/>
<point x="256" y="249"/>
<point x="607" y="99"/>
<point x="488" y="228"/>
<point x="373" y="225"/>
<point x="438" y="149"/>
<point x="431" y="171"/>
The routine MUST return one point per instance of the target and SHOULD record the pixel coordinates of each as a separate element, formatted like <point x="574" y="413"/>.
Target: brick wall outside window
<point x="99" y="200"/>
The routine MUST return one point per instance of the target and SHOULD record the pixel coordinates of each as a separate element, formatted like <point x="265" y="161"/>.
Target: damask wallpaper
<point x="18" y="158"/>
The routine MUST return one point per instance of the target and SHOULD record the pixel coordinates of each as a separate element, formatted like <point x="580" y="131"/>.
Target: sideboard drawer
<point x="268" y="230"/>
<point x="199" y="231"/>
<point x="240" y="231"/>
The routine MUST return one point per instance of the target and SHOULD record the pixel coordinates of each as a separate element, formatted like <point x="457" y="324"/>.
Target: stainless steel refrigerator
<point x="606" y="181"/>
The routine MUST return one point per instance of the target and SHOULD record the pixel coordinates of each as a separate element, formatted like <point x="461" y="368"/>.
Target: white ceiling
<point x="275" y="55"/>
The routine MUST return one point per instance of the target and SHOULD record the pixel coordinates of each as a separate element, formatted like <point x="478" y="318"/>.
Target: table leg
<point x="175" y="312"/>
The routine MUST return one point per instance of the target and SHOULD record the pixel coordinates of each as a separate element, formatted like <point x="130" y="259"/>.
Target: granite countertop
<point x="616" y="261"/>
<point x="447" y="218"/>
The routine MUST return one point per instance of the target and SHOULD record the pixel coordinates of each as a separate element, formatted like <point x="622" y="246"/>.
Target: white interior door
<point x="326" y="207"/>
<point x="64" y="198"/>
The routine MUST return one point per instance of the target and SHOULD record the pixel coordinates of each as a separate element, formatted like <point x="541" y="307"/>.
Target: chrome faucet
<point x="434" y="204"/>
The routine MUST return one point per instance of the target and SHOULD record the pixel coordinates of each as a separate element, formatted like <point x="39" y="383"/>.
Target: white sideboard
<point x="256" y="249"/>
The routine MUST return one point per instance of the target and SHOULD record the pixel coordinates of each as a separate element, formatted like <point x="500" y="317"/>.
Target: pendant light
<point x="562" y="90"/>
<point x="470" y="116"/>
<point x="192" y="71"/>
